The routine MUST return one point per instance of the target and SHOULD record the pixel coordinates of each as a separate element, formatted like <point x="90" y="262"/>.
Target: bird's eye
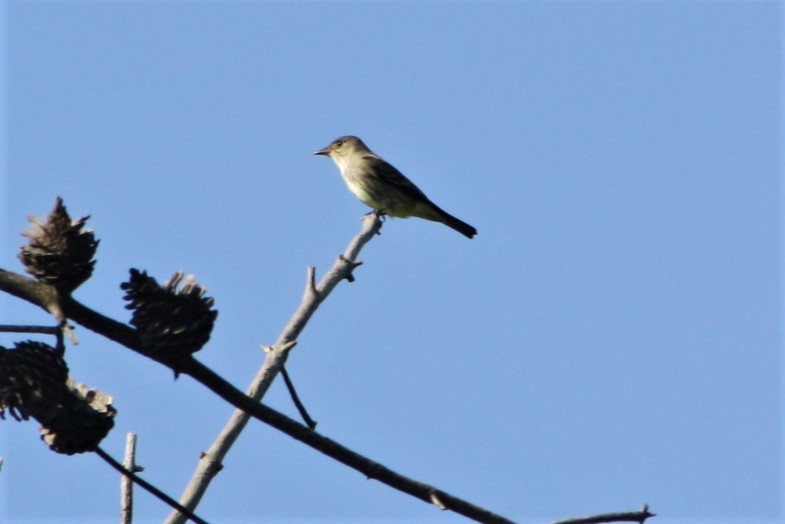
<point x="338" y="143"/>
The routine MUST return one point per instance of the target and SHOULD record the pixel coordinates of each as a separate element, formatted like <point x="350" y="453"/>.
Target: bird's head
<point x="343" y="147"/>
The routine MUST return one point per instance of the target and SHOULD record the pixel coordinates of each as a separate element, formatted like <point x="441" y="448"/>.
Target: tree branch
<point x="43" y="330"/>
<point x="44" y="295"/>
<point x="57" y="331"/>
<point x="210" y="462"/>
<point x="146" y="485"/>
<point x="126" y="483"/>
<point x="333" y="449"/>
<point x="311" y="423"/>
<point x="630" y="516"/>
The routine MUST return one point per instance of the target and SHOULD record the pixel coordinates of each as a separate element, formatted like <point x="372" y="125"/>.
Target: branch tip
<point x="286" y="346"/>
<point x="350" y="266"/>
<point x="282" y="348"/>
<point x="639" y="516"/>
<point x="68" y="330"/>
<point x="311" y="285"/>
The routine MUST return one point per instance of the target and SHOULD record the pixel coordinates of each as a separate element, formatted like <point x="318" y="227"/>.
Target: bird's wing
<point x="390" y="175"/>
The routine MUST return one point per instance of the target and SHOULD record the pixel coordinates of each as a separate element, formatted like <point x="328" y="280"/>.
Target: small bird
<point x="379" y="185"/>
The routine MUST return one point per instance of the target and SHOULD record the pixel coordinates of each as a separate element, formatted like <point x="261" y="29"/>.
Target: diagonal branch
<point x="46" y="297"/>
<point x="210" y="462"/>
<point x="331" y="448"/>
<point x="157" y="493"/>
<point x="311" y="423"/>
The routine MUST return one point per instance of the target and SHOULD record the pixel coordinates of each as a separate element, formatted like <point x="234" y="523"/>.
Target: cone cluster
<point x="173" y="321"/>
<point x="34" y="383"/>
<point x="59" y="252"/>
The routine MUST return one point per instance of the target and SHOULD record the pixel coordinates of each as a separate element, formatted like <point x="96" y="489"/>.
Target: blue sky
<point x="611" y="337"/>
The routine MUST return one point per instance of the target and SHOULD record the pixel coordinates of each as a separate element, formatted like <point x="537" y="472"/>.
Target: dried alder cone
<point x="58" y="251"/>
<point x="34" y="383"/>
<point x="172" y="323"/>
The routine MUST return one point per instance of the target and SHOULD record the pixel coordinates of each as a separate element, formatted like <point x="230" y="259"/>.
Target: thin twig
<point x="43" y="330"/>
<point x="35" y="292"/>
<point x="126" y="484"/>
<point x="157" y="493"/>
<point x="311" y="423"/>
<point x="248" y="405"/>
<point x="210" y="462"/>
<point x="639" y="516"/>
<point x="331" y="448"/>
<point x="57" y="331"/>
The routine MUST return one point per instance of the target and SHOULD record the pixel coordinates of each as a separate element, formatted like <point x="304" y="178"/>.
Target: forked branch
<point x="210" y="463"/>
<point x="46" y="296"/>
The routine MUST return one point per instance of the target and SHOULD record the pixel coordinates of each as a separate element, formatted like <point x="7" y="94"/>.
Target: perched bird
<point x="384" y="188"/>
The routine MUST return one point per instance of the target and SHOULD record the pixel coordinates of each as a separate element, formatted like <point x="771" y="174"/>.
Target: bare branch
<point x="331" y="448"/>
<point x="57" y="331"/>
<point x="631" y="516"/>
<point x="43" y="330"/>
<point x="311" y="423"/>
<point x="62" y="306"/>
<point x="210" y="462"/>
<point x="42" y="294"/>
<point x="126" y="484"/>
<point x="310" y="286"/>
<point x="157" y="493"/>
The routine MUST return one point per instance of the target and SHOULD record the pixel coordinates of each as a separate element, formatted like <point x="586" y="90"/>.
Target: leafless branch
<point x="311" y="423"/>
<point x="46" y="297"/>
<point x="57" y="331"/>
<point x="43" y="330"/>
<point x="126" y="484"/>
<point x="157" y="493"/>
<point x="313" y="295"/>
<point x="630" y="516"/>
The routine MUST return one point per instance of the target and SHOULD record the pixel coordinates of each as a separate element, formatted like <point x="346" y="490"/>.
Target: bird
<point x="378" y="184"/>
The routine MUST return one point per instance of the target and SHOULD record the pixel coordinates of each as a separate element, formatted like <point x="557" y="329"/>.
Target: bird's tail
<point x="430" y="211"/>
<point x="459" y="225"/>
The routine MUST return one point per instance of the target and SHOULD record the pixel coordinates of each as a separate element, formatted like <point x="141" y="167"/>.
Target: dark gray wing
<point x="388" y="174"/>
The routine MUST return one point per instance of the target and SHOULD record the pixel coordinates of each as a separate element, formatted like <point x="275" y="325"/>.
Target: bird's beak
<point x="325" y="151"/>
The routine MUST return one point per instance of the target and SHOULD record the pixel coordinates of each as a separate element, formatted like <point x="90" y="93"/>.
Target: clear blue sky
<point x="611" y="337"/>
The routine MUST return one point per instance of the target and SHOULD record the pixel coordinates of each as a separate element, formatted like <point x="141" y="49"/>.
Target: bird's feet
<point x="377" y="213"/>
